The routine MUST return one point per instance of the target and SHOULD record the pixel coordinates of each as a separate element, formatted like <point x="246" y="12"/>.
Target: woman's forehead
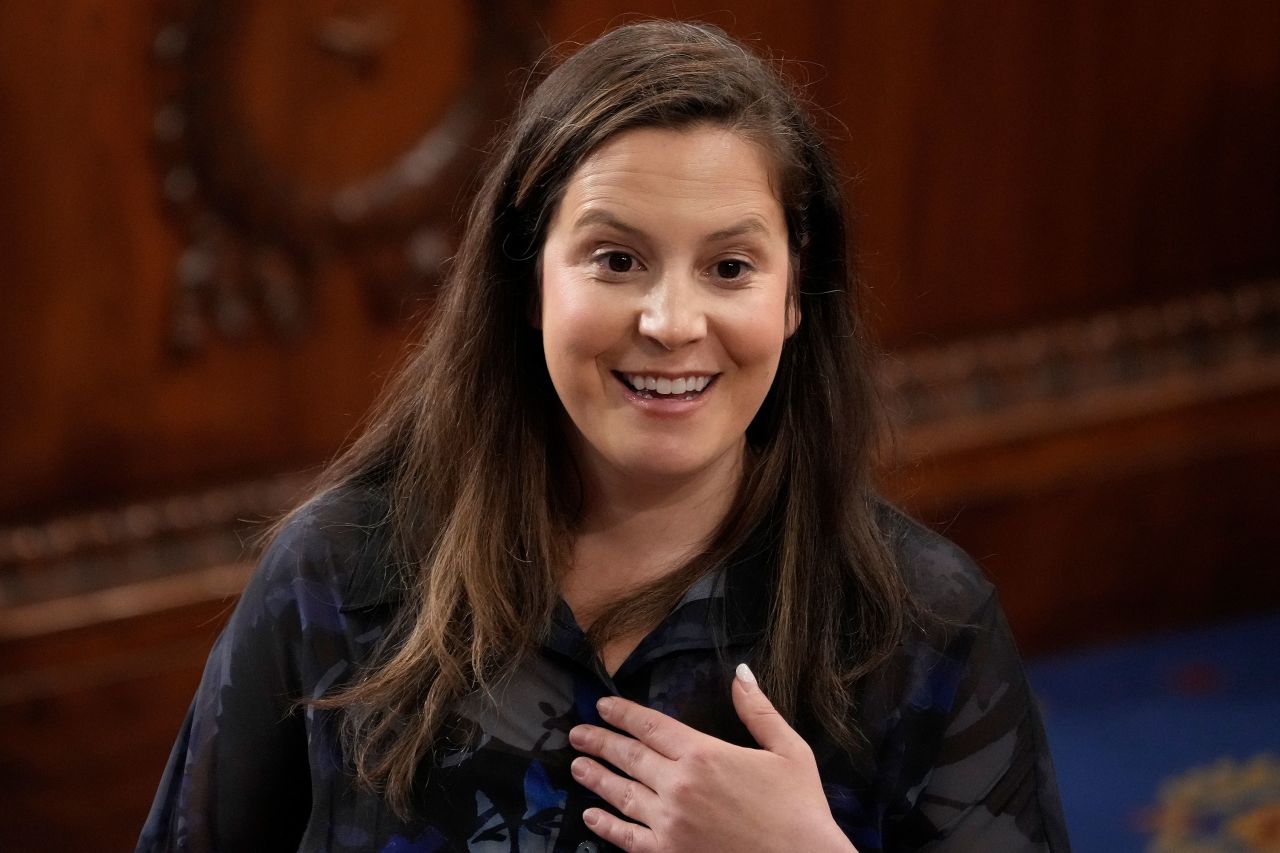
<point x="709" y="174"/>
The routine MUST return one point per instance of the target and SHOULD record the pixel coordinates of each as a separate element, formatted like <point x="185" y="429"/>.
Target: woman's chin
<point x="663" y="464"/>
<point x="649" y="471"/>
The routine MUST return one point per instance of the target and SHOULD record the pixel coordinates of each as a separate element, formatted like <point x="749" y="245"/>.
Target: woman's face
<point x="664" y="300"/>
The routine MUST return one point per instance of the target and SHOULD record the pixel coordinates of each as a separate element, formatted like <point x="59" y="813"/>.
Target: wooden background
<point x="218" y="220"/>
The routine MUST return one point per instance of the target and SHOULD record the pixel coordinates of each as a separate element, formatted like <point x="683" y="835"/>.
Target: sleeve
<point x="238" y="776"/>
<point x="992" y="783"/>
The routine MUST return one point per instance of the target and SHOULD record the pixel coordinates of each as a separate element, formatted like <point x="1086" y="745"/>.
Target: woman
<point x="627" y="473"/>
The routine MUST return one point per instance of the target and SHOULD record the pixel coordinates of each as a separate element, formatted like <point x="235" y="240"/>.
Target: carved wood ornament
<point x="1124" y="363"/>
<point x="290" y="136"/>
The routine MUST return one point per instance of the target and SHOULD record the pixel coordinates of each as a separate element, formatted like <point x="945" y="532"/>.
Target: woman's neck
<point x="634" y="530"/>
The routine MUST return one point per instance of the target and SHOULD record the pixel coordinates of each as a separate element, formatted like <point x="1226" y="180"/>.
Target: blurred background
<point x="219" y="219"/>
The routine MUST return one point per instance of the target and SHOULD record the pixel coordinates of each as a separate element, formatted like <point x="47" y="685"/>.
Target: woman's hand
<point x="692" y="792"/>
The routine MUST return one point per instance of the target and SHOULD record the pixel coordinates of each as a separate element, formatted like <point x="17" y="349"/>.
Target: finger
<point x="625" y="753"/>
<point x="631" y="837"/>
<point x="666" y="736"/>
<point x="626" y="795"/>
<point x="767" y="726"/>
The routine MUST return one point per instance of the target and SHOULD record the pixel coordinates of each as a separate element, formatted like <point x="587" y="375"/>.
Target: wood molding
<point x="143" y="523"/>
<point x="1113" y="366"/>
<point x="124" y="601"/>
<point x="117" y="563"/>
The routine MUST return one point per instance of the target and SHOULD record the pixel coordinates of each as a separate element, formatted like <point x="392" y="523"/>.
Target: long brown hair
<point x="465" y="443"/>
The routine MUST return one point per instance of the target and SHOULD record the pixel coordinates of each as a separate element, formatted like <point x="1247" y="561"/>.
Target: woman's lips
<point x="667" y="385"/>
<point x="656" y="401"/>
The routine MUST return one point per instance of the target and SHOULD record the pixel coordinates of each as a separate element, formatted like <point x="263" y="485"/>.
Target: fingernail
<point x="591" y="817"/>
<point x="745" y="675"/>
<point x="605" y="705"/>
<point x="578" y="768"/>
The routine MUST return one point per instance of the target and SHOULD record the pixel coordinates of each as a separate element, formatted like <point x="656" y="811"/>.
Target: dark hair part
<point x="465" y="442"/>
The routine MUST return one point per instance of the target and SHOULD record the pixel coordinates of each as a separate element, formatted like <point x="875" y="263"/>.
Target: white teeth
<point x="667" y="387"/>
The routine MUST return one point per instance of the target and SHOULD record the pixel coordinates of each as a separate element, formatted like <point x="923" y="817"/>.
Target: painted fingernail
<point x="578" y="768"/>
<point x="605" y="705"/>
<point x="591" y="817"/>
<point x="745" y="675"/>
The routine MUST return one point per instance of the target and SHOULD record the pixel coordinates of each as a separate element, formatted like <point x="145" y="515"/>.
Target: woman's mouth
<point x="687" y="387"/>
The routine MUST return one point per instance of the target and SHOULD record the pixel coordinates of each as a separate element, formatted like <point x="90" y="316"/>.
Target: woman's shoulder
<point x="337" y="540"/>
<point x="940" y="574"/>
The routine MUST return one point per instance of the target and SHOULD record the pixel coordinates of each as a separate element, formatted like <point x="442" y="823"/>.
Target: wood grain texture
<point x="1014" y="165"/>
<point x="87" y="718"/>
<point x="96" y="409"/>
<point x="1021" y="163"/>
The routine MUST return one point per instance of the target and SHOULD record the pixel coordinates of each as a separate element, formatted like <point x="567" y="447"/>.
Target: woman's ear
<point x="794" y="315"/>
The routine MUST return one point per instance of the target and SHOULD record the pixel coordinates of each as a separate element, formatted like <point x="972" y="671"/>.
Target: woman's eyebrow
<point x="751" y="224"/>
<point x="603" y="217"/>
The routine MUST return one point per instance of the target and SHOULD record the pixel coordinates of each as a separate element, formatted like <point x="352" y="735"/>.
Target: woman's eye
<point x="619" y="262"/>
<point x="730" y="269"/>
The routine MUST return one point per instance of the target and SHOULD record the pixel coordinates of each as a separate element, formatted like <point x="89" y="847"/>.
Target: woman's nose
<point x="673" y="315"/>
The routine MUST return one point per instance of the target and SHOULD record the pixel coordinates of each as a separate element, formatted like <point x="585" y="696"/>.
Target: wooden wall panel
<point x="87" y="718"/>
<point x="1114" y="529"/>
<point x="97" y="406"/>
<point x="1119" y="564"/>
<point x="1015" y="165"/>
<point x="1027" y="163"/>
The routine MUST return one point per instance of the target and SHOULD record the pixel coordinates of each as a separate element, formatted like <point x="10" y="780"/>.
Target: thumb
<point x="766" y="725"/>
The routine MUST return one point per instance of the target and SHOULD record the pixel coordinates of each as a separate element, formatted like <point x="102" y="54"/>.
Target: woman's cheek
<point x="753" y="331"/>
<point x="583" y="323"/>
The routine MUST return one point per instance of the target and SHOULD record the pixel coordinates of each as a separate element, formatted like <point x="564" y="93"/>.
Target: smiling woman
<point x="607" y="568"/>
<point x="664" y="295"/>
<point x="649" y="277"/>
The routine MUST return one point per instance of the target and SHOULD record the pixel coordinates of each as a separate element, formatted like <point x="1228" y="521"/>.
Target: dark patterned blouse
<point x="957" y="757"/>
